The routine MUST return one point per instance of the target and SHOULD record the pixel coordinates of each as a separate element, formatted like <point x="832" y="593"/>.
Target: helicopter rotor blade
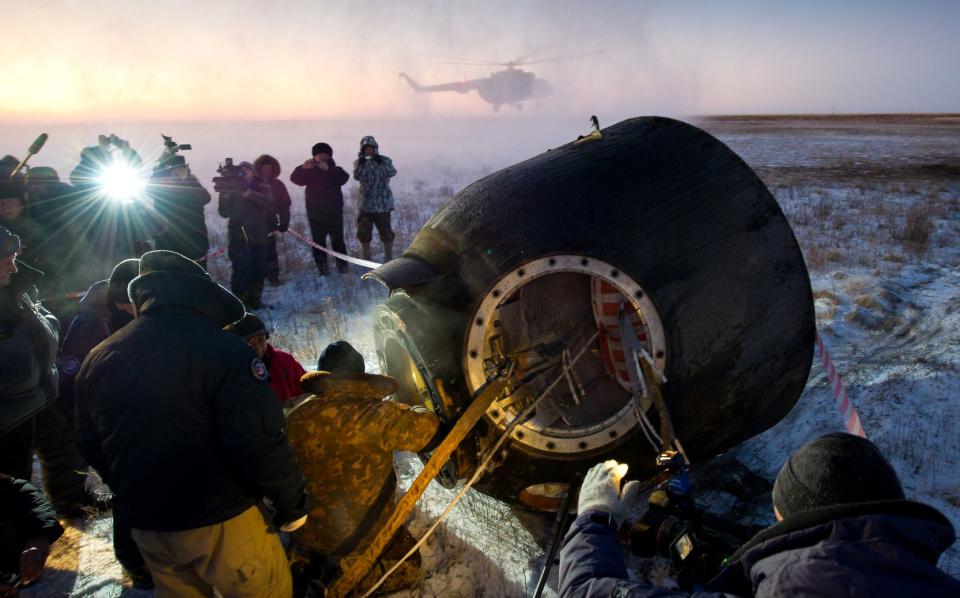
<point x="556" y="58"/>
<point x="523" y="61"/>
<point x="479" y="63"/>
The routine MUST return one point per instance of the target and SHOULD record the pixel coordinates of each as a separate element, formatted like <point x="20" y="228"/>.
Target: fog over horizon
<point x="151" y="61"/>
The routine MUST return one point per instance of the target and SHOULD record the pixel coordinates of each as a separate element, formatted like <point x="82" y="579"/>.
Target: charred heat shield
<point x="655" y="238"/>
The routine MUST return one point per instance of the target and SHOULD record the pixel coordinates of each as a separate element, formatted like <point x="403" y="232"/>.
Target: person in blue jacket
<point x="844" y="528"/>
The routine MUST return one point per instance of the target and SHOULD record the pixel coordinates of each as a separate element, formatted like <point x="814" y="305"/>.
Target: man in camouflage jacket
<point x="344" y="436"/>
<point x="373" y="171"/>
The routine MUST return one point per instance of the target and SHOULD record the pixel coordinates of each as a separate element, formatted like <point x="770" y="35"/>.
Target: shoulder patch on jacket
<point x="259" y="370"/>
<point x="68" y="364"/>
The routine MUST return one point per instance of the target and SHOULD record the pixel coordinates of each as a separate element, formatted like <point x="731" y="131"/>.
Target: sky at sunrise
<point x="68" y="61"/>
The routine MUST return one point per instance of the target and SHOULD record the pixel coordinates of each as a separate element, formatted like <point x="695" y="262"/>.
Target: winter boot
<point x="365" y="250"/>
<point x="387" y="251"/>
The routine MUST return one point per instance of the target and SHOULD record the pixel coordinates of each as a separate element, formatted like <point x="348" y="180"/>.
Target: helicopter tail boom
<point x="413" y="84"/>
<point x="458" y="86"/>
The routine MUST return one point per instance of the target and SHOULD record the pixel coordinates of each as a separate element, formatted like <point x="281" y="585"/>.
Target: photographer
<point x="374" y="171"/>
<point x="324" y="201"/>
<point x="110" y="207"/>
<point x="179" y="198"/>
<point x="268" y="168"/>
<point x="246" y="201"/>
<point x="95" y="158"/>
<point x="844" y="528"/>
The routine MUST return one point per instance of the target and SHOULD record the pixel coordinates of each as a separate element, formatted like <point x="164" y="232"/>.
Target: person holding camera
<point x="268" y="168"/>
<point x="323" y="180"/>
<point x="179" y="198"/>
<point x="246" y="201"/>
<point x="843" y="528"/>
<point x="373" y="171"/>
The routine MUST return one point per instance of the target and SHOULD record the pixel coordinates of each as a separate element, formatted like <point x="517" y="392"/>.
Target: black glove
<point x="283" y="228"/>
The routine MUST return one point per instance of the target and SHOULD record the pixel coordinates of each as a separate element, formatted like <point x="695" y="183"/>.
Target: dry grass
<point x="918" y="227"/>
<point x="861" y="226"/>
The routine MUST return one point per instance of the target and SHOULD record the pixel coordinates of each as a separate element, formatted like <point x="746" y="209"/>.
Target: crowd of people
<point x="160" y="341"/>
<point x="75" y="231"/>
<point x="159" y="332"/>
<point x="232" y="468"/>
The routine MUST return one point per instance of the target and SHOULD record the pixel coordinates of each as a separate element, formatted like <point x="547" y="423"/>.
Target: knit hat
<point x="9" y="189"/>
<point x="120" y="279"/>
<point x="248" y="327"/>
<point x="834" y="469"/>
<point x="341" y="358"/>
<point x="321" y="148"/>
<point x="9" y="243"/>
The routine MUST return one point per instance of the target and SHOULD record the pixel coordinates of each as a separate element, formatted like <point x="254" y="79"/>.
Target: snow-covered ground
<point x="875" y="204"/>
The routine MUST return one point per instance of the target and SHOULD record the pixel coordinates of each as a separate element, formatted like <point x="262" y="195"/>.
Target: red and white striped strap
<point x="848" y="413"/>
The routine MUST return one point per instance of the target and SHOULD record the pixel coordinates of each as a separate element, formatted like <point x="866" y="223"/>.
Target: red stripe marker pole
<point x="848" y="413"/>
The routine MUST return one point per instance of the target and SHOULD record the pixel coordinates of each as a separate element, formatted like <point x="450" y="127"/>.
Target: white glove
<point x="601" y="490"/>
<point x="293" y="525"/>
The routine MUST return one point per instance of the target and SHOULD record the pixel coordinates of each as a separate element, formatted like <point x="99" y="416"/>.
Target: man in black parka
<point x="178" y="418"/>
<point x="323" y="180"/>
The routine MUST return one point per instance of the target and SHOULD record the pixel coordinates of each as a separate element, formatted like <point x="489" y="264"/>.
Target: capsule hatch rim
<point x="626" y="419"/>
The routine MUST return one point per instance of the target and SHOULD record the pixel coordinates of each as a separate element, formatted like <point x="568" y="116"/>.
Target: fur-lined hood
<point x="267" y="159"/>
<point x="328" y="385"/>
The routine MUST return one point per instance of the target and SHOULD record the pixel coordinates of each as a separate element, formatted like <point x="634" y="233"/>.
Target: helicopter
<point x="511" y="86"/>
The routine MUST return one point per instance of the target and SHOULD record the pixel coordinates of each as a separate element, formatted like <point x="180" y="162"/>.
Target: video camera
<point x="170" y="157"/>
<point x="696" y="542"/>
<point x="171" y="147"/>
<point x="231" y="178"/>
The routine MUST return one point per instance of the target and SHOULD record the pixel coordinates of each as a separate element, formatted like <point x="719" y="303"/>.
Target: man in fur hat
<point x="268" y="168"/>
<point x="323" y="198"/>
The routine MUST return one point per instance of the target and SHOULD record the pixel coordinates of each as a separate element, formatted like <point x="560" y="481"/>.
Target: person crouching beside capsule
<point x="344" y="434"/>
<point x="843" y="528"/>
<point x="285" y="371"/>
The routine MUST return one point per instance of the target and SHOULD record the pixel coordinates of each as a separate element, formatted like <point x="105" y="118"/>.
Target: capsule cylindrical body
<point x="654" y="242"/>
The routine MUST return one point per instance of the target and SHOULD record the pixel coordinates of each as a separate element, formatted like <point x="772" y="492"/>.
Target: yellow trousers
<point x="240" y="558"/>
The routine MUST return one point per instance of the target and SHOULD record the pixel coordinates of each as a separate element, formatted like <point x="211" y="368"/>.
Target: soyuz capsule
<point x="654" y="241"/>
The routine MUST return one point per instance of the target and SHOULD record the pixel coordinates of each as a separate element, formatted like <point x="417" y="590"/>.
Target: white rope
<point x="336" y="254"/>
<point x="491" y="452"/>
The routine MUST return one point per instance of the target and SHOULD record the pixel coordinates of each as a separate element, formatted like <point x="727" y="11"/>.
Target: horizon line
<point x="726" y="116"/>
